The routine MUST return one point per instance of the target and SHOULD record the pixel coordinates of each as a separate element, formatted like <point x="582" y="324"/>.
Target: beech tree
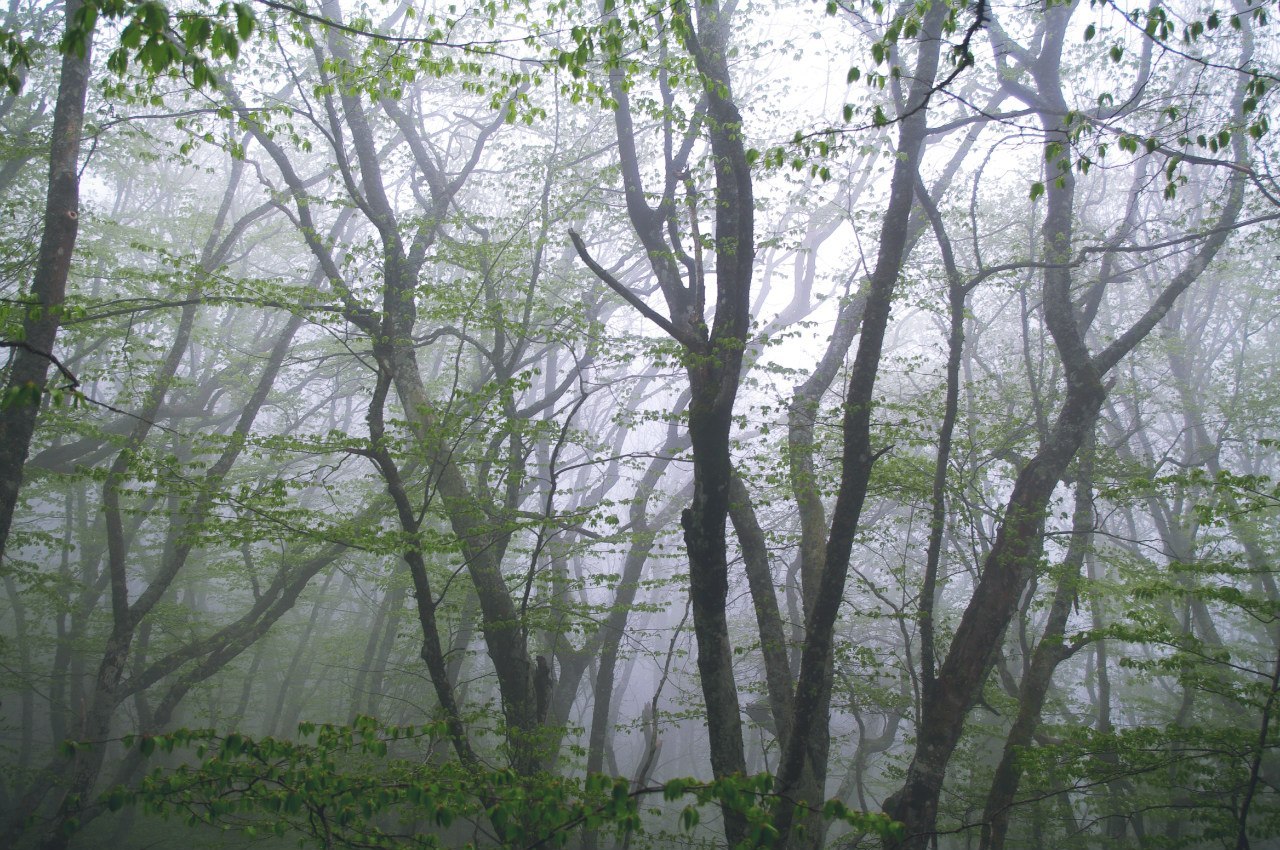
<point x="521" y="425"/>
<point x="33" y="355"/>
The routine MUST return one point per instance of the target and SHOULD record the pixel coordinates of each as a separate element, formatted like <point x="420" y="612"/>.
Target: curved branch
<point x="627" y="295"/>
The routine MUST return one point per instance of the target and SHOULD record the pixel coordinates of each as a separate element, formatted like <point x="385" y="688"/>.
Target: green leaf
<point x="245" y="21"/>
<point x="131" y="37"/>
<point x="1037" y="189"/>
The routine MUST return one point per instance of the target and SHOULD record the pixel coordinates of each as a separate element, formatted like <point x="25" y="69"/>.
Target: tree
<point x="495" y="295"/>
<point x="32" y="354"/>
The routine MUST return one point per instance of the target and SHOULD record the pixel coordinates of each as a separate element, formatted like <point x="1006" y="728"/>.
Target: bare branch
<point x="627" y="295"/>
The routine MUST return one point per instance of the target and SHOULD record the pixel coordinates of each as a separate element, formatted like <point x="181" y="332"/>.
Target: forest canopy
<point x="639" y="424"/>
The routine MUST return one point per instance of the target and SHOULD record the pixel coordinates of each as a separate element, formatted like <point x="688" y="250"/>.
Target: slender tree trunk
<point x="1005" y="573"/>
<point x="367" y="688"/>
<point x="236" y="718"/>
<point x="108" y="692"/>
<point x="713" y="379"/>
<point x="291" y="695"/>
<point x="1114" y="825"/>
<point x="613" y="629"/>
<point x="773" y="643"/>
<point x="603" y="709"/>
<point x="432" y="652"/>
<point x="32" y="355"/>
<point x="811" y="716"/>
<point x="27" y="708"/>
<point x="1012" y="559"/>
<point x="714" y="355"/>
<point x="1049" y="653"/>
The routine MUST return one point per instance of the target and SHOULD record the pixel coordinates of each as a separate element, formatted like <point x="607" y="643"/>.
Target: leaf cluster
<point x="368" y="784"/>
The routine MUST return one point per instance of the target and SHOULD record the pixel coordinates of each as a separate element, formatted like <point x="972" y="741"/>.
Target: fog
<point x="619" y="426"/>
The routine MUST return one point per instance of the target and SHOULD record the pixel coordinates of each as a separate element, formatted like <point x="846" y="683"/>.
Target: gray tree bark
<point x="28" y="378"/>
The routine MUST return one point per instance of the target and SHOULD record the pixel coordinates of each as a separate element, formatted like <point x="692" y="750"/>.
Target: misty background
<point x="637" y="424"/>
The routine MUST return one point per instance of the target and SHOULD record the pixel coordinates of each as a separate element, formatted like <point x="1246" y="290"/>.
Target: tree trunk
<point x="391" y="612"/>
<point x="713" y="379"/>
<point x="33" y="354"/>
<point x="1049" y="653"/>
<point x="714" y="355"/>
<point x="1012" y="559"/>
<point x="811" y="718"/>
